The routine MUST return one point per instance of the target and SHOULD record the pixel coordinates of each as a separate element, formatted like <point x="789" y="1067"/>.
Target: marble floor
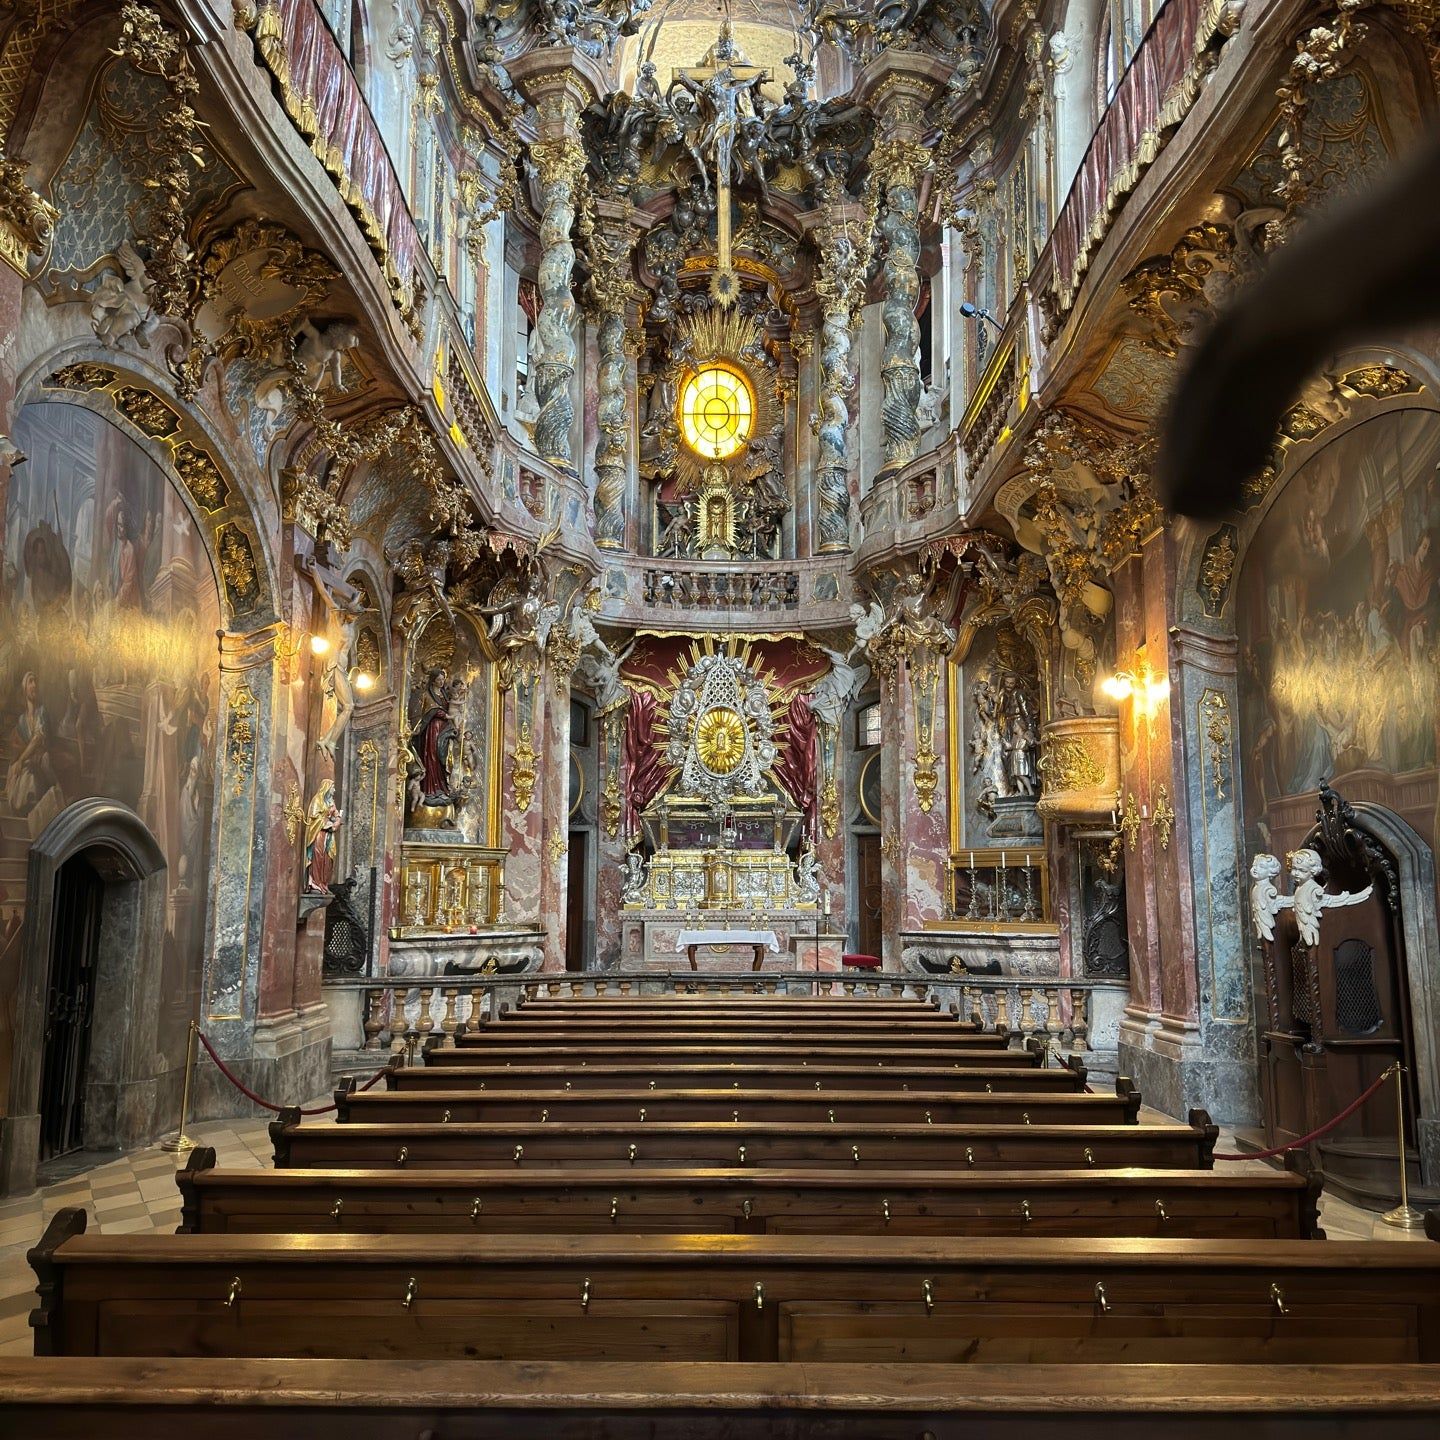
<point x="137" y="1193"/>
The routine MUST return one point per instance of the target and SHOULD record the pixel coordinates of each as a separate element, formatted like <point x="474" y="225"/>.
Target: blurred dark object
<point x="1367" y="271"/>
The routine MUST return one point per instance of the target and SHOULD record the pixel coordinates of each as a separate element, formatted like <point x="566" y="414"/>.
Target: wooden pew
<point x="1250" y="1203"/>
<point x="838" y="1034"/>
<point x="835" y="1298"/>
<point x="711" y="1144"/>
<point x="1061" y="1080"/>
<point x="650" y="1054"/>
<point x="663" y="1105"/>
<point x="230" y="1399"/>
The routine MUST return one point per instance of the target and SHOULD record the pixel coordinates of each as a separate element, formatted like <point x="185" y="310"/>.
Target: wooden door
<point x="576" y="937"/>
<point x="867" y="893"/>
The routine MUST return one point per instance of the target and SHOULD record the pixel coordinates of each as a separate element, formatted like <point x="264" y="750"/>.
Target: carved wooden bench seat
<point x="725" y="1143"/>
<point x="875" y="1079"/>
<point x="229" y="1399"/>
<point x="650" y="1054"/>
<point x="818" y="1299"/>
<point x="1252" y="1203"/>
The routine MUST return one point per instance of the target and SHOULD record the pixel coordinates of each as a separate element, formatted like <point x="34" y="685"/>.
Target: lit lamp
<point x="1141" y="684"/>
<point x="364" y="681"/>
<point x="319" y="645"/>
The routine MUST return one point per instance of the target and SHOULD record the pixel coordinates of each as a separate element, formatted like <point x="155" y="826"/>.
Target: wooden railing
<point x="408" y="1016"/>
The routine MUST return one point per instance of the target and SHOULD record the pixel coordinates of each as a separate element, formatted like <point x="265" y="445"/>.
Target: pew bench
<point x="652" y="1055"/>
<point x="814" y="1299"/>
<point x="228" y="1399"/>
<point x="1253" y="1203"/>
<point x="1058" y="1080"/>
<point x="837" y="1033"/>
<point x="663" y="1104"/>
<point x="710" y="1144"/>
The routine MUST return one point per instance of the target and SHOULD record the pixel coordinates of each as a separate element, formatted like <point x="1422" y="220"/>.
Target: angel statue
<point x="122" y="307"/>
<point x="869" y="621"/>
<point x="635" y="884"/>
<point x="808" y="878"/>
<point x="1266" y="901"/>
<point x="311" y="357"/>
<point x="1309" y="900"/>
<point x="831" y="697"/>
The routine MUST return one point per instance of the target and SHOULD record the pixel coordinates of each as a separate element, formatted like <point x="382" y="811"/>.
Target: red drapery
<point x="796" y="767"/>
<point x="1150" y="98"/>
<point x="645" y="769"/>
<point x="325" y="102"/>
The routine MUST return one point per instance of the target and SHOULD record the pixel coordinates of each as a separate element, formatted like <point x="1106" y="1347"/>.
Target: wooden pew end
<point x="1127" y="1090"/>
<point x="1298" y="1162"/>
<point x="281" y="1129"/>
<point x="49" y="1277"/>
<point x="1200" y="1120"/>
<point x="202" y="1158"/>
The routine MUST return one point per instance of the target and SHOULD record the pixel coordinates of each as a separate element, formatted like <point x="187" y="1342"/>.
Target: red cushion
<point x="861" y="962"/>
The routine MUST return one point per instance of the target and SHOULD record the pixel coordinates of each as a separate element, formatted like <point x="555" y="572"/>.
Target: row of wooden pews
<point x="676" y="1216"/>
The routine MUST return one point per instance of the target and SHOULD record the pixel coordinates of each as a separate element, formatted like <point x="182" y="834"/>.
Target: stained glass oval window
<point x="717" y="411"/>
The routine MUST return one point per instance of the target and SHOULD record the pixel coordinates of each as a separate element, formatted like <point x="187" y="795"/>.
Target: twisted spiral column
<point x="559" y="163"/>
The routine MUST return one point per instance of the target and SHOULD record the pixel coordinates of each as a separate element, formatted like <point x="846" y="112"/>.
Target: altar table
<point x="759" y="940"/>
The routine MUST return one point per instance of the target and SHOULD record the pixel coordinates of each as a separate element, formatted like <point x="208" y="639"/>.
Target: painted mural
<point x="1338" y="613"/>
<point x="108" y="616"/>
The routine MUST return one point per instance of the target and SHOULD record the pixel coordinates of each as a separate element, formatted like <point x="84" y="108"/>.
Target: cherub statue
<point x="927" y="411"/>
<point x="869" y="621"/>
<point x="320" y="354"/>
<point x="122" y="307"/>
<point x="1266" y="901"/>
<point x="1308" y="898"/>
<point x="635" y="884"/>
<point x="808" y="877"/>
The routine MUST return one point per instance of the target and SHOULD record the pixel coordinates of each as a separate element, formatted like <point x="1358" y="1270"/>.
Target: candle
<point x="1002" y="859"/>
<point x="972" y="860"/>
<point x="827" y="902"/>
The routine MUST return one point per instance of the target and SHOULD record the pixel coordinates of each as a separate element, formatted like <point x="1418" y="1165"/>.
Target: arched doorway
<point x="69" y="1007"/>
<point x="93" y="946"/>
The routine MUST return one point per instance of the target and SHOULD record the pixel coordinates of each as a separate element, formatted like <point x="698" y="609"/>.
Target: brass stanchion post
<point x="1404" y="1216"/>
<point x="180" y="1143"/>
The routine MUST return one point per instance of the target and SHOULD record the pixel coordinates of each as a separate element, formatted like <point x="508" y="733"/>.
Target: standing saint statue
<point x="322" y="822"/>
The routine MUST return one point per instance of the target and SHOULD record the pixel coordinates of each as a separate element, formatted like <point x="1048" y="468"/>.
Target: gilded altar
<point x="721" y="879"/>
<point x="448" y="889"/>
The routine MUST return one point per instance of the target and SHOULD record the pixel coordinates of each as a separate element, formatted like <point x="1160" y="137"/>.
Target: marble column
<point x="839" y="230"/>
<point x="609" y="838"/>
<point x="560" y="82"/>
<point x="1188" y="1036"/>
<point x="555" y="804"/>
<point x="898" y="85"/>
<point x="247" y="815"/>
<point x="613" y="292"/>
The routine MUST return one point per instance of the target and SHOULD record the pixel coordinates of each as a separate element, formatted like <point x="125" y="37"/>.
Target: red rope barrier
<point x="1325" y="1129"/>
<point x="254" y="1099"/>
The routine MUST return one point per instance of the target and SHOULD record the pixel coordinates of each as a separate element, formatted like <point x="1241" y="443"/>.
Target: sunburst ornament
<point x="724" y="288"/>
<point x="721" y="736"/>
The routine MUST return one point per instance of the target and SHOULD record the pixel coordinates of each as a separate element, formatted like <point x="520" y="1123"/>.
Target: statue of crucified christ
<point x="724" y="89"/>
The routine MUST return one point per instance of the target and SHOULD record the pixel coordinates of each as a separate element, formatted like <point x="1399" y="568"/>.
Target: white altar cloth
<point x="687" y="938"/>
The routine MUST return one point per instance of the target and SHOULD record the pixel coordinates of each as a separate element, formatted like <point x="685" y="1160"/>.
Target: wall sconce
<point x="1141" y="684"/>
<point x="319" y="645"/>
<point x="363" y="681"/>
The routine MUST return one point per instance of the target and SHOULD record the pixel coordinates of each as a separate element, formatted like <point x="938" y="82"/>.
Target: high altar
<point x="727" y="841"/>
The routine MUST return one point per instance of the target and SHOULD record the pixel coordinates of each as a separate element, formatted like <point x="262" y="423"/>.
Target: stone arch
<point x="184" y="445"/>
<point x="121" y="1077"/>
<point x="1195" y="600"/>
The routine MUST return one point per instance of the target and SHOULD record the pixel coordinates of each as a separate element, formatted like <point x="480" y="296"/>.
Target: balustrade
<point x="753" y="588"/>
<point x="406" y="1017"/>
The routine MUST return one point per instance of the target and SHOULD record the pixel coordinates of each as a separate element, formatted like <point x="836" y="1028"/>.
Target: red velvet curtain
<point x="796" y="769"/>
<point x="645" y="769"/>
<point x="328" y="106"/>
<point x="1127" y="128"/>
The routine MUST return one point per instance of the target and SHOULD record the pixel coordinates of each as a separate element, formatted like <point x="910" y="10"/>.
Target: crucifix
<point x="724" y="87"/>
